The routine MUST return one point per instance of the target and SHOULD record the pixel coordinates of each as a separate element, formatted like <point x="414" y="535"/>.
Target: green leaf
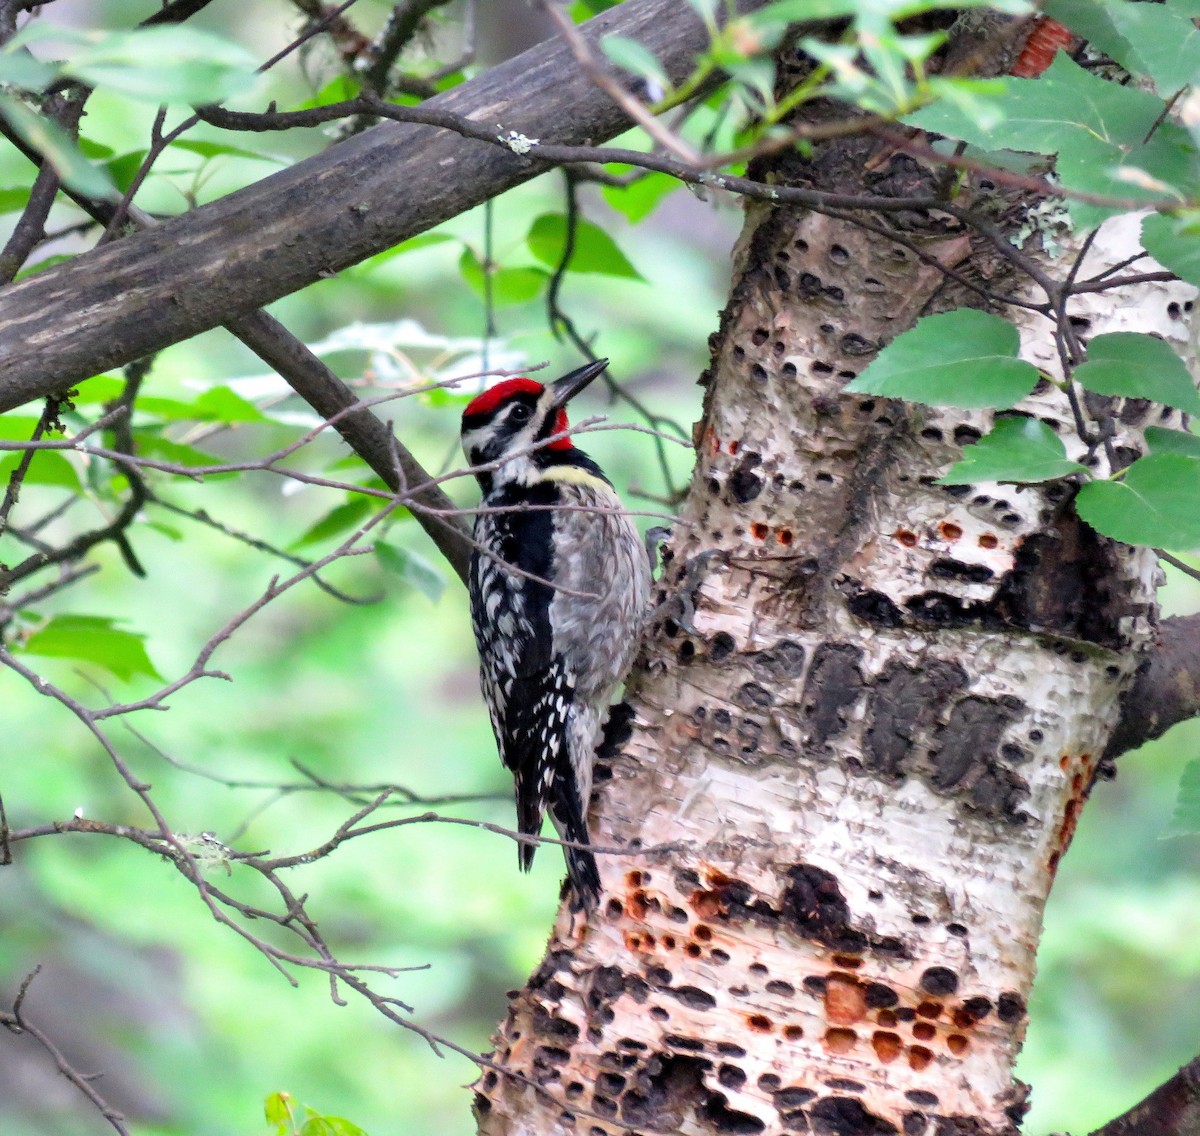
<point x="276" y="1109"/>
<point x="48" y="138"/>
<point x="122" y="168"/>
<point x="1187" y="806"/>
<point x="12" y="200"/>
<point x="1156" y="40"/>
<point x="1096" y="130"/>
<point x="331" y="1126"/>
<point x="1164" y="441"/>
<point x="17" y="427"/>
<point x="414" y="570"/>
<point x="220" y="404"/>
<point x="93" y="639"/>
<point x="963" y="358"/>
<point x="207" y="149"/>
<point x="1016" y="449"/>
<point x="342" y="518"/>
<point x="42" y="265"/>
<point x="1133" y="365"/>
<point x="154" y="445"/>
<point x="640" y="197"/>
<point x="47" y="467"/>
<point x="317" y="1126"/>
<point x="806" y="11"/>
<point x="1155" y="503"/>
<point x="509" y="285"/>
<point x="164" y="64"/>
<point x="637" y="59"/>
<point x="594" y="250"/>
<point x="1174" y="241"/>
<point x="22" y="70"/>
<point x="99" y="388"/>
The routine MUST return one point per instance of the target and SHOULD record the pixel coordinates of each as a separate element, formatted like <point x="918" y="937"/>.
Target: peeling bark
<point x="867" y="731"/>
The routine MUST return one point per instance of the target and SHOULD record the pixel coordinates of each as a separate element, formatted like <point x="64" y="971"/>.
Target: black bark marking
<point x="967" y="758"/>
<point x="1065" y="581"/>
<point x="846" y="1116"/>
<point x="958" y="570"/>
<point x="834" y="682"/>
<point x="558" y="1029"/>
<point x="940" y="981"/>
<point x="1010" y="1007"/>
<point x="618" y="729"/>
<point x="693" y="997"/>
<point x="779" y="663"/>
<point x="744" y="483"/>
<point x="792" y="1098"/>
<point x="731" y="1076"/>
<point x="727" y="1121"/>
<point x="880" y="997"/>
<point x="722" y="647"/>
<point x="875" y="608"/>
<point x="905" y="701"/>
<point x="751" y="694"/>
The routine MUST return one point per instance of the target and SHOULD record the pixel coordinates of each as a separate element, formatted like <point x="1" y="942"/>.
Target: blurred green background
<point x="191" y="1027"/>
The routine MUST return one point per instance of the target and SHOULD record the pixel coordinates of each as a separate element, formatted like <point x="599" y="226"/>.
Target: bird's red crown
<point x="486" y="402"/>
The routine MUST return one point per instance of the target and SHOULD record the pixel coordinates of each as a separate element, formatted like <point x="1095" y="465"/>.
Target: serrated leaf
<point x="164" y="64"/>
<point x="414" y="570"/>
<point x="508" y="285"/>
<point x="1175" y="243"/>
<point x="1133" y="365"/>
<point x="1164" y="441"/>
<point x="1155" y="503"/>
<point x="593" y="251"/>
<point x="964" y="358"/>
<point x="1016" y="449"/>
<point x="93" y="639"/>
<point x="1156" y="40"/>
<point x="1092" y="127"/>
<point x="1187" y="805"/>
<point x="342" y="518"/>
<point x="637" y="59"/>
<point x="48" y="138"/>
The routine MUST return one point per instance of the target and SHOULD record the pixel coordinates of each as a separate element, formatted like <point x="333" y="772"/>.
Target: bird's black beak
<point x="570" y="385"/>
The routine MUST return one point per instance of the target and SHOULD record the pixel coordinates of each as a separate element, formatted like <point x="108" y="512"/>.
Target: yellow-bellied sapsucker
<point x="559" y="583"/>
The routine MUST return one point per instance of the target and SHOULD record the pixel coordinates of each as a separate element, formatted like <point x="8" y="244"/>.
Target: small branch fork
<point x="18" y="1024"/>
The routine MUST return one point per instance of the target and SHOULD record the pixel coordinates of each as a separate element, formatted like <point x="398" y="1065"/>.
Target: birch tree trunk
<point x="867" y="727"/>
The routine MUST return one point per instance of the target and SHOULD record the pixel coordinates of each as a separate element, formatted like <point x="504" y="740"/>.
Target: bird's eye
<point x="520" y="413"/>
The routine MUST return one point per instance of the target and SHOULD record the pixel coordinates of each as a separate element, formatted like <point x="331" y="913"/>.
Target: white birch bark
<point x="867" y="730"/>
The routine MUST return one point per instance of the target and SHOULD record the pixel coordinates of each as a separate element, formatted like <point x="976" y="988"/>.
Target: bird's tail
<point x="584" y="875"/>
<point x="530" y="810"/>
<point x="581" y="862"/>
